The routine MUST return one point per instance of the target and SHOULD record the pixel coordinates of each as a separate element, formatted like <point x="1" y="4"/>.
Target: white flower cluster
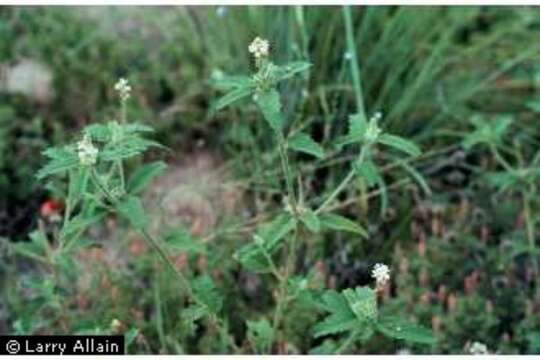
<point x="123" y="88"/>
<point x="259" y="47"/>
<point x="477" y="348"/>
<point x="381" y="274"/>
<point x="87" y="152"/>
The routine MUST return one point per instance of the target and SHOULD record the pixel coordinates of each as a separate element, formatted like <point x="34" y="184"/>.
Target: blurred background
<point x="461" y="243"/>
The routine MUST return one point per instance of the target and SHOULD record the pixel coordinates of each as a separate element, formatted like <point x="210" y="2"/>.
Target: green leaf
<point x="254" y="256"/>
<point x="260" y="334"/>
<point x="132" y="210"/>
<point x="486" y="132"/>
<point x="310" y="219"/>
<point x="304" y="143"/>
<point x="181" y="240"/>
<point x="362" y="302"/>
<point x="357" y="129"/>
<point x="140" y="179"/>
<point x="127" y="147"/>
<point x="61" y="160"/>
<point x="35" y="249"/>
<point x="368" y="171"/>
<point x="232" y="97"/>
<point x="400" y="144"/>
<point x="287" y="71"/>
<point x="78" y="183"/>
<point x="270" y="106"/>
<point x="274" y="231"/>
<point x="79" y="223"/>
<point x="206" y="293"/>
<point x="357" y="125"/>
<point x="227" y="82"/>
<point x="416" y="176"/>
<point x="341" y="318"/>
<point x="397" y="328"/>
<point x="340" y="223"/>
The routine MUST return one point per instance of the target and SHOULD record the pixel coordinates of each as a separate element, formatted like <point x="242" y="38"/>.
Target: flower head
<point x="381" y="274"/>
<point x="259" y="47"/>
<point x="87" y="152"/>
<point x="123" y="88"/>
<point x="478" y="348"/>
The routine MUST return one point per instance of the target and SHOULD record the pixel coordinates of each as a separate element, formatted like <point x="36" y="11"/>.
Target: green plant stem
<point x="291" y="251"/>
<point x="355" y="71"/>
<point x="343" y="183"/>
<point x="347" y="343"/>
<point x="282" y="295"/>
<point x="286" y="170"/>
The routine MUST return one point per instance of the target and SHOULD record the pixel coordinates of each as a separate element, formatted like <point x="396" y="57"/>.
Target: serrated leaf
<point x="304" y="143"/>
<point x="310" y="219"/>
<point x="357" y="129"/>
<point x="400" y="144"/>
<point x="357" y="125"/>
<point x="270" y="105"/>
<point x="79" y="223"/>
<point x="363" y="303"/>
<point x="252" y="258"/>
<point x="132" y="210"/>
<point x="61" y="160"/>
<point x="206" y="293"/>
<point x="260" y="334"/>
<point x="128" y="147"/>
<point x="340" y="223"/>
<point x="397" y="328"/>
<point x="341" y="318"/>
<point x="368" y="171"/>
<point x="140" y="179"/>
<point x="78" y="182"/>
<point x="232" y="97"/>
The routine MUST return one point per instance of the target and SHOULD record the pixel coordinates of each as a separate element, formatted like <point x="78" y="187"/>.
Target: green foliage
<point x="142" y="176"/>
<point x="339" y="223"/>
<point x="304" y="143"/>
<point x="478" y="206"/>
<point x="270" y="105"/>
<point x="400" y="329"/>
<point x="132" y="210"/>
<point x="260" y="334"/>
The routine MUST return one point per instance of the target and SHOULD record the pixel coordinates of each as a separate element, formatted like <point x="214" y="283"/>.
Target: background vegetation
<point x="458" y="231"/>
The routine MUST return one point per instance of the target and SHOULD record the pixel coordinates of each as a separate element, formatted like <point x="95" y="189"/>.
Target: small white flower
<point x="259" y="47"/>
<point x="123" y="88"/>
<point x="87" y="151"/>
<point x="381" y="274"/>
<point x="478" y="348"/>
<point x="347" y="55"/>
